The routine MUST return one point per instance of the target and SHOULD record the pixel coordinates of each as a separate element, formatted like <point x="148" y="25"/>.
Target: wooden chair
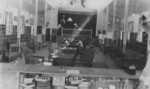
<point x="84" y="63"/>
<point x="30" y="58"/>
<point x="87" y="59"/>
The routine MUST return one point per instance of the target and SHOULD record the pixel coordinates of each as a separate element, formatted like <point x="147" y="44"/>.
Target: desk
<point x="63" y="60"/>
<point x="65" y="57"/>
<point x="73" y="44"/>
<point x="69" y="50"/>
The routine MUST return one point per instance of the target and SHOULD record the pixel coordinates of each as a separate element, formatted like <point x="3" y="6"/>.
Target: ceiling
<point x="135" y="6"/>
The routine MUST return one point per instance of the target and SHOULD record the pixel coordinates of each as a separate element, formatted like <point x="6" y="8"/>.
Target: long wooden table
<point x="65" y="58"/>
<point x="69" y="50"/>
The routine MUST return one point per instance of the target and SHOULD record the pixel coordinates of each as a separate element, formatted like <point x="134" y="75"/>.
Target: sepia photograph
<point x="74" y="44"/>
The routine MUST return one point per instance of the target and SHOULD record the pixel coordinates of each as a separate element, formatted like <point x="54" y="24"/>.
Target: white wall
<point x="2" y="11"/>
<point x="41" y="18"/>
<point x="15" y="15"/>
<point x="135" y="19"/>
<point x="32" y="30"/>
<point x="101" y="21"/>
<point x="49" y="19"/>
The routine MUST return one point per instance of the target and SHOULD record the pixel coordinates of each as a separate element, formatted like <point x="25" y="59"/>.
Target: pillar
<point x="51" y="29"/>
<point x="114" y="18"/>
<point x="107" y="19"/>
<point x="97" y="21"/>
<point x="35" y="18"/>
<point x="45" y="21"/>
<point x="19" y="24"/>
<point x="125" y="26"/>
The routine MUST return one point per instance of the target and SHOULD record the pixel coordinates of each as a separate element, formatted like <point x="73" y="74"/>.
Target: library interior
<point x="74" y="44"/>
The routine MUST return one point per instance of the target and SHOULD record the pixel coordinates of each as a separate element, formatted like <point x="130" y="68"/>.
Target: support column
<point x="125" y="27"/>
<point x="114" y="18"/>
<point x="51" y="24"/>
<point x="97" y="21"/>
<point x="45" y="21"/>
<point x="35" y="18"/>
<point x="107" y="19"/>
<point x="19" y="24"/>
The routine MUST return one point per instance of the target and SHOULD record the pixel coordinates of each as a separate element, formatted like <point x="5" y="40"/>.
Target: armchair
<point x="30" y="58"/>
<point x="84" y="62"/>
<point x="86" y="59"/>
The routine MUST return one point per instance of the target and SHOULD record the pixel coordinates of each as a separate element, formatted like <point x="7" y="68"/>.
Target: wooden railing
<point x="83" y="32"/>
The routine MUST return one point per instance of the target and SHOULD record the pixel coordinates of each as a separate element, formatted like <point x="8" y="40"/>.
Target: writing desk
<point x="69" y="50"/>
<point x="65" y="58"/>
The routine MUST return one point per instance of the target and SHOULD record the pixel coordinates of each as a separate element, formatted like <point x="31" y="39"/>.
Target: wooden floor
<point x="100" y="60"/>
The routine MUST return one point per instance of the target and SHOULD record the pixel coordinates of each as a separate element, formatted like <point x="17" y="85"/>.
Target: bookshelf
<point x="15" y="30"/>
<point x="138" y="46"/>
<point x="11" y="39"/>
<point x="25" y="37"/>
<point x="145" y="38"/>
<point x="2" y="30"/>
<point x="27" y="29"/>
<point x="2" y="41"/>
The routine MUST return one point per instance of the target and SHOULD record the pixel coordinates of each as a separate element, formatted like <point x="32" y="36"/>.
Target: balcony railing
<point x="76" y="32"/>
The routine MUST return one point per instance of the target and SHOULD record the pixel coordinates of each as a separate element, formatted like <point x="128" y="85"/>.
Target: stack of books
<point x="28" y="83"/>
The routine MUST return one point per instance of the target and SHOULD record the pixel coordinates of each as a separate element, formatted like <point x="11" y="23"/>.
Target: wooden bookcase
<point x="2" y="41"/>
<point x="2" y="30"/>
<point x="14" y="29"/>
<point x="138" y="46"/>
<point x="27" y="29"/>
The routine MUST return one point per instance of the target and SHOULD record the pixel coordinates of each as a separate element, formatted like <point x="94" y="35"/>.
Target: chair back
<point x="91" y="57"/>
<point x="85" y="63"/>
<point x="88" y="60"/>
<point x="29" y="58"/>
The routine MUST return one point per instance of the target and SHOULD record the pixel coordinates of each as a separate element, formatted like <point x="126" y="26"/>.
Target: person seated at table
<point x="80" y="47"/>
<point x="80" y="43"/>
<point x="88" y="55"/>
<point x="67" y="42"/>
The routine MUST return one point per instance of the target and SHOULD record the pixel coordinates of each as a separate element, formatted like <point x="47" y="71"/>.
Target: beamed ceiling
<point x="135" y="6"/>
